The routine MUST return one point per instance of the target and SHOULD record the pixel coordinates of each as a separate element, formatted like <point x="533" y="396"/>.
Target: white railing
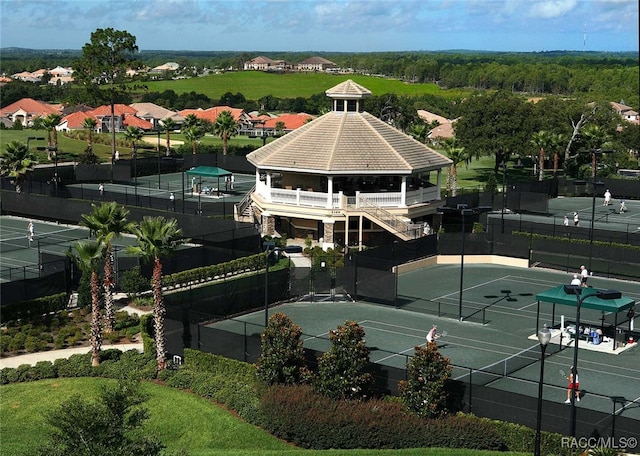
<point x="301" y="197"/>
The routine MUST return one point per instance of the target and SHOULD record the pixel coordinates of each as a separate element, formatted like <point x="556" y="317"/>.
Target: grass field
<point x="256" y="84"/>
<point x="181" y="420"/>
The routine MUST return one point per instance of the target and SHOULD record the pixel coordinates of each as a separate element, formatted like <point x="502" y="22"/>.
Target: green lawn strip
<point x="256" y="84"/>
<point x="181" y="420"/>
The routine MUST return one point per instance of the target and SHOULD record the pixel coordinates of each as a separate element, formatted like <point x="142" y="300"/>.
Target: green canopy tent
<point x="209" y="171"/>
<point x="592" y="298"/>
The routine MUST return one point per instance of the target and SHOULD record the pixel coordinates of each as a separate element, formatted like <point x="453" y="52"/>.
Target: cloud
<point x="551" y="8"/>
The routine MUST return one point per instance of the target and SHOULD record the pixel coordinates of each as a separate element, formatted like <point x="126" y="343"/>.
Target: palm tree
<point x="108" y="221"/>
<point x="419" y="132"/>
<point x="157" y="236"/>
<point x="193" y="134"/>
<point x="594" y="137"/>
<point x="90" y="124"/>
<point x="50" y="123"/>
<point x="15" y="162"/>
<point x="88" y="254"/>
<point x="133" y="135"/>
<point x="168" y="125"/>
<point x="543" y="140"/>
<point x="225" y="126"/>
<point x="558" y="141"/>
<point x="279" y="128"/>
<point x="457" y="155"/>
<point x="191" y="121"/>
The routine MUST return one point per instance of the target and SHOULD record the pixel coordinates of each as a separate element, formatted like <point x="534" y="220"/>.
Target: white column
<point x="268" y="182"/>
<point x="403" y="192"/>
<point x="438" y="184"/>
<point x="329" y="192"/>
<point x="360" y="233"/>
<point x="346" y="232"/>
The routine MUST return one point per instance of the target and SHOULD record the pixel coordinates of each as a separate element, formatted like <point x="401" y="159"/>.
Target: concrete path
<point x="52" y="355"/>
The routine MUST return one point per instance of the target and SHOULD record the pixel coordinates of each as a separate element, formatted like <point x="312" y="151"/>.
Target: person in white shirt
<point x="584" y="273"/>
<point x="576" y="280"/>
<point x="433" y="335"/>
<point x="607" y="198"/>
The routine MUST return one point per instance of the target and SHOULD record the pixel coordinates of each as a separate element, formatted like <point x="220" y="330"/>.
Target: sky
<point x="328" y="25"/>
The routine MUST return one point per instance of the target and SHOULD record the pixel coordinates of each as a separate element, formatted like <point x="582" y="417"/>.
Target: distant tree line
<point x="613" y="76"/>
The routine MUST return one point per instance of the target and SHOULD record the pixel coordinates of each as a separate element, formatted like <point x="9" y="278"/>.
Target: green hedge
<point x="35" y="307"/>
<point x="215" y="271"/>
<point x="310" y="420"/>
<point x="575" y="241"/>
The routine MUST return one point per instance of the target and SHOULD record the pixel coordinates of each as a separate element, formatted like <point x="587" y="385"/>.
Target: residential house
<point x="125" y="116"/>
<point x="444" y="128"/>
<point x="315" y="64"/>
<point x="262" y="63"/>
<point x="290" y="122"/>
<point x="345" y="178"/>
<point x="626" y="112"/>
<point x="169" y="66"/>
<point x="211" y="114"/>
<point x="27" y="109"/>
<point x="153" y="113"/>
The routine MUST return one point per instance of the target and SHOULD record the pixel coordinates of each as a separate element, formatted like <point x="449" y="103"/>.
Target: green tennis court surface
<point x="507" y="297"/>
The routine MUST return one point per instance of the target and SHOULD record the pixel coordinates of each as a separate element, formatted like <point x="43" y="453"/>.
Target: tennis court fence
<point x="470" y="390"/>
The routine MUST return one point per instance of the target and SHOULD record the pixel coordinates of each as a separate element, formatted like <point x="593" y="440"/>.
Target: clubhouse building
<point x="345" y="178"/>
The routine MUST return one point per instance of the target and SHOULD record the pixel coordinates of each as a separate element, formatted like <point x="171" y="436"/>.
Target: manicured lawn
<point x="181" y="420"/>
<point x="256" y="84"/>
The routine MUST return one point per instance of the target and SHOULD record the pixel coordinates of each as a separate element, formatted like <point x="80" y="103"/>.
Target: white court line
<point x="470" y="288"/>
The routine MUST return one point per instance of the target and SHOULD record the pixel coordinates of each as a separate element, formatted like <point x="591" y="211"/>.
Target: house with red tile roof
<point x="27" y="109"/>
<point x="290" y="121"/>
<point x="74" y="121"/>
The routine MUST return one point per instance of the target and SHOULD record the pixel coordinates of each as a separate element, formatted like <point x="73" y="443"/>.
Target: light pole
<point x="135" y="171"/>
<point x="158" y="148"/>
<point x="504" y="195"/>
<point x="269" y="248"/>
<point x="580" y="298"/>
<point x="464" y="213"/>
<point x="544" y="336"/>
<point x="594" y="163"/>
<point x="54" y="155"/>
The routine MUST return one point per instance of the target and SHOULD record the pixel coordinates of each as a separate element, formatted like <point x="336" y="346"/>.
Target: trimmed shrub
<point x="341" y="370"/>
<point x="424" y="393"/>
<point x="133" y="282"/>
<point x="282" y="355"/>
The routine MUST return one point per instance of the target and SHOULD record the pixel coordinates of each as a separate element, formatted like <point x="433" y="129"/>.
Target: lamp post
<point x="577" y="290"/>
<point x="544" y="336"/>
<point x="464" y="212"/>
<point x="54" y="155"/>
<point x="594" y="163"/>
<point x="504" y="195"/>
<point x="158" y="148"/>
<point x="269" y="248"/>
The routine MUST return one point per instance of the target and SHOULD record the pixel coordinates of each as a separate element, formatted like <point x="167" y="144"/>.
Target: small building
<point x="346" y="178"/>
<point x="315" y="64"/>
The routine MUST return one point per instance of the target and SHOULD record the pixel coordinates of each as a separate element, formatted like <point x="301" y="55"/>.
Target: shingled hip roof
<point x="348" y="143"/>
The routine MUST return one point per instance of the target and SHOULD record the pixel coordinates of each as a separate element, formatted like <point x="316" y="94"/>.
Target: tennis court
<point x="502" y="345"/>
<point x="21" y="255"/>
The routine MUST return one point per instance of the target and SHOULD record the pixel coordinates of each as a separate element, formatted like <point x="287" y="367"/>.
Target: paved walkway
<point x="52" y="355"/>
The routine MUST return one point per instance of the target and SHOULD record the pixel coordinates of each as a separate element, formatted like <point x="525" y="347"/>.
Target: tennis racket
<point x="443" y="334"/>
<point x="563" y="373"/>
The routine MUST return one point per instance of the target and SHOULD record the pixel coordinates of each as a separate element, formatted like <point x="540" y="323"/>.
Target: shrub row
<point x="35" y="307"/>
<point x="206" y="273"/>
<point x="310" y="420"/>
<point x="575" y="241"/>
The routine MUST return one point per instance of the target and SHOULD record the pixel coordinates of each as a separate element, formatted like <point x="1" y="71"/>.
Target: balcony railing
<point x="307" y="198"/>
